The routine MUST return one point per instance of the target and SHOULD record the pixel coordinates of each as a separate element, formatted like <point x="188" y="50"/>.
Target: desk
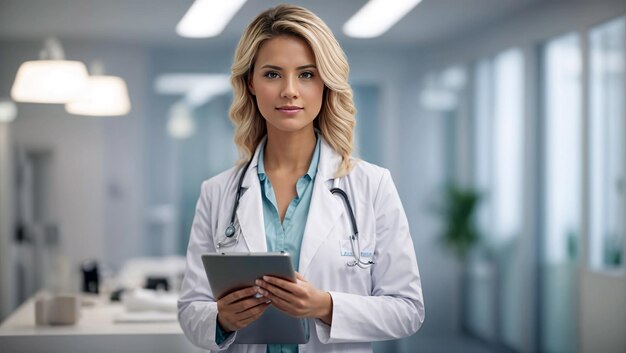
<point x="95" y="332"/>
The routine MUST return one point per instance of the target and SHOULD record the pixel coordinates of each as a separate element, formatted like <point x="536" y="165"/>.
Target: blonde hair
<point x="336" y="118"/>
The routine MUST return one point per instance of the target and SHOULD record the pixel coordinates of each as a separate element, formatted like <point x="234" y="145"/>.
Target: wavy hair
<point x="336" y="118"/>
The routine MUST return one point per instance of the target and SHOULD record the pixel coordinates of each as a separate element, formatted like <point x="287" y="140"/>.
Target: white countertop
<point x="96" y="319"/>
<point x="95" y="331"/>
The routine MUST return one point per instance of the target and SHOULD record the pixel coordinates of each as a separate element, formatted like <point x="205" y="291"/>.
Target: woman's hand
<point x="298" y="299"/>
<point x="239" y="309"/>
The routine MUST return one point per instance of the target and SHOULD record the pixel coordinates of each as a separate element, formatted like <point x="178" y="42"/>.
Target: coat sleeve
<point x="395" y="308"/>
<point x="197" y="308"/>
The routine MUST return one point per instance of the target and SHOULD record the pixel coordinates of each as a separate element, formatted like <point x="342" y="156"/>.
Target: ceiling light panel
<point x="377" y="16"/>
<point x="208" y="18"/>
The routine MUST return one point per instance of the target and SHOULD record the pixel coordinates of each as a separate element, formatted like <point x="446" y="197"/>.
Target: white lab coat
<point x="379" y="303"/>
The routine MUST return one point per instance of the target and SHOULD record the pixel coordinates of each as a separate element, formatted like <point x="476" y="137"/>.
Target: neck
<point x="289" y="151"/>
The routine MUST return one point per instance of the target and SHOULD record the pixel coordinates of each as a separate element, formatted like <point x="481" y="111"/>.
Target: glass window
<point x="607" y="145"/>
<point x="499" y="143"/>
<point x="508" y="141"/>
<point x="562" y="158"/>
<point x="561" y="166"/>
<point x="498" y="146"/>
<point x="443" y="94"/>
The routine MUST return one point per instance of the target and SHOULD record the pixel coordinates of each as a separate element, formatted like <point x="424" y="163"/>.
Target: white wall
<point x="603" y="314"/>
<point x="77" y="174"/>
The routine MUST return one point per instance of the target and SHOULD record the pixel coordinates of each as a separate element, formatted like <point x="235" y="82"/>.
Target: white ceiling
<point x="152" y="22"/>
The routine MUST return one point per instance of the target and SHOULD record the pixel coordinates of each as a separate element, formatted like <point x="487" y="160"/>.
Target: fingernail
<point x="258" y="282"/>
<point x="257" y="289"/>
<point x="265" y="278"/>
<point x="268" y="301"/>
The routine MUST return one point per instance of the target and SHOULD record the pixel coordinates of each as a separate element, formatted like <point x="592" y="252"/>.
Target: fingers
<point x="238" y="295"/>
<point x="272" y="291"/>
<point x="258" y="311"/>
<point x="281" y="304"/>
<point x="255" y="312"/>
<point x="235" y="316"/>
<point x="245" y="319"/>
<point x="247" y="304"/>
<point x="240" y="306"/>
<point x="279" y="282"/>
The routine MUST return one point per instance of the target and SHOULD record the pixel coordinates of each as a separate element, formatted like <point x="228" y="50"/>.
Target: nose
<point x="290" y="88"/>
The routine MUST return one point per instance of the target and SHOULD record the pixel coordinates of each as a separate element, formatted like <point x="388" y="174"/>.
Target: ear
<point x="251" y="85"/>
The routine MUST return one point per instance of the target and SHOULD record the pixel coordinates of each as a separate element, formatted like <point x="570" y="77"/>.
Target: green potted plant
<point x="459" y="233"/>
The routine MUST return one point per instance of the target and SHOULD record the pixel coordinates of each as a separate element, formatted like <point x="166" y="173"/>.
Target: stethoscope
<point x="232" y="236"/>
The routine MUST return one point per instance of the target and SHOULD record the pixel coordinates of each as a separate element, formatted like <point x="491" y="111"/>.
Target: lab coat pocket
<point x="365" y="243"/>
<point x="357" y="279"/>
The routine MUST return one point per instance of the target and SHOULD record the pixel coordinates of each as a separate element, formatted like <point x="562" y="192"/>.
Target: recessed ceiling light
<point x="376" y="17"/>
<point x="208" y="18"/>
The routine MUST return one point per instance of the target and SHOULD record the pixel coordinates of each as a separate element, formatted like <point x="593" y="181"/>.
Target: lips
<point x="289" y="108"/>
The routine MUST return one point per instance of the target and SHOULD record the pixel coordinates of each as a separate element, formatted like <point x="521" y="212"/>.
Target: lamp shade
<point x="49" y="81"/>
<point x="103" y="96"/>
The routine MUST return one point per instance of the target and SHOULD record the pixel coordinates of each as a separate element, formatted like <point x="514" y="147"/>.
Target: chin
<point x="289" y="125"/>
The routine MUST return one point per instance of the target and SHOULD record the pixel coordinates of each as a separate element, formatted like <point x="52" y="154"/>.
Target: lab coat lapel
<point x="325" y="209"/>
<point x="250" y="210"/>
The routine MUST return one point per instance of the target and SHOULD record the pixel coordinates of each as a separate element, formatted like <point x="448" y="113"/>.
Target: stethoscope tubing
<point x="354" y="237"/>
<point x="230" y="230"/>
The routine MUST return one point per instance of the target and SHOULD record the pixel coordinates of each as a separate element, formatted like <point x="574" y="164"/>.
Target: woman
<point x="294" y="120"/>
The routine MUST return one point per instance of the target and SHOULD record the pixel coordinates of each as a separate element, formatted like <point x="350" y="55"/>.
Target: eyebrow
<point x="297" y="68"/>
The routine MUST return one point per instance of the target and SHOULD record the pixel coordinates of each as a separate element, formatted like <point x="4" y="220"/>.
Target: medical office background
<point x="519" y="101"/>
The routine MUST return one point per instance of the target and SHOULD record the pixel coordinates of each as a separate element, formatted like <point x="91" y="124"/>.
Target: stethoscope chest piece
<point x="230" y="231"/>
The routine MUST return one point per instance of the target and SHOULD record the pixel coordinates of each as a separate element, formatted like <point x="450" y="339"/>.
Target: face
<point x="287" y="84"/>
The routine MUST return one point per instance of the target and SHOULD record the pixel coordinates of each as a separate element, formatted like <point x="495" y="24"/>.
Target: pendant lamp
<point x="103" y="95"/>
<point x="51" y="79"/>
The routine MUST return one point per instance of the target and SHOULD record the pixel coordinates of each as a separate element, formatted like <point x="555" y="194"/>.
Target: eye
<point x="272" y="74"/>
<point x="307" y="75"/>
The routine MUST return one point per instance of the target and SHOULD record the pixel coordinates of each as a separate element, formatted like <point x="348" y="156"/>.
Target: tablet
<point x="229" y="272"/>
